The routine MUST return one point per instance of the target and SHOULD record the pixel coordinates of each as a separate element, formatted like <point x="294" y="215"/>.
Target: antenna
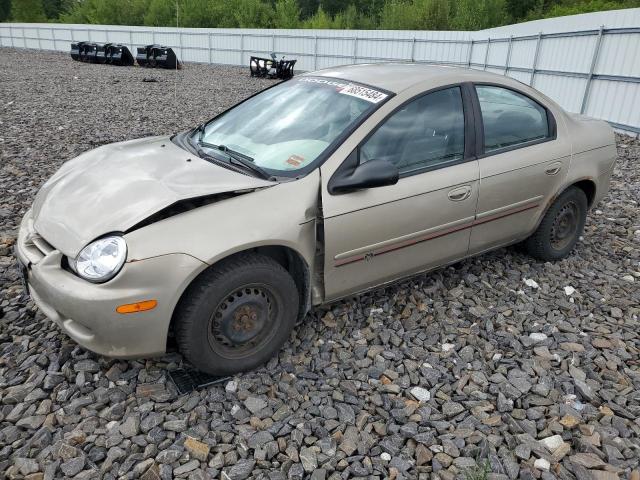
<point x="175" y="82"/>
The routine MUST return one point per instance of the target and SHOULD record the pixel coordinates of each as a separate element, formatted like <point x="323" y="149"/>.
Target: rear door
<point x="376" y="235"/>
<point x="524" y="157"/>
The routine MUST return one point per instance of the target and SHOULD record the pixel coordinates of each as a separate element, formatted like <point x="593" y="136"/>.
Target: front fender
<point x="282" y="215"/>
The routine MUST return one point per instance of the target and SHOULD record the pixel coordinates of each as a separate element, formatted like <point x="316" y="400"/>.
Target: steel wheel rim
<point x="243" y="321"/>
<point x="565" y="226"/>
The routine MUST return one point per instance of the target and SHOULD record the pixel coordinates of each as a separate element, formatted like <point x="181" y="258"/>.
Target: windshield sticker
<point x="368" y="94"/>
<point x="295" y="160"/>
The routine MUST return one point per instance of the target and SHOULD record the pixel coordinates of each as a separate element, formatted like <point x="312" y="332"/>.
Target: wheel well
<point x="589" y="189"/>
<point x="291" y="260"/>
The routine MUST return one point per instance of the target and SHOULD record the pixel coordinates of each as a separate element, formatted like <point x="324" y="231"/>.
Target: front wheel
<point x="236" y="315"/>
<point x="560" y="227"/>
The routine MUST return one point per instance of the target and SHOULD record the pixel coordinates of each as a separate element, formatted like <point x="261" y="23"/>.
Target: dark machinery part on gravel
<point x="157" y="56"/>
<point x="188" y="380"/>
<point x="271" y="67"/>
<point x="107" y="53"/>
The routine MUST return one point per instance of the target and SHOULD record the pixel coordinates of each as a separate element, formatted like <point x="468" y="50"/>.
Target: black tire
<point x="236" y="315"/>
<point x="560" y="227"/>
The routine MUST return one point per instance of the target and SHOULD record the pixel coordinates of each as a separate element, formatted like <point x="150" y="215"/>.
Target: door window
<point x="424" y="133"/>
<point x="510" y="118"/>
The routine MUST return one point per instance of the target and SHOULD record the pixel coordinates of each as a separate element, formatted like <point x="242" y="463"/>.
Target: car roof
<point x="396" y="77"/>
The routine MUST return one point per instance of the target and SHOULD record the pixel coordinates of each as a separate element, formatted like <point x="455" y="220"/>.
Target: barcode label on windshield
<point x="368" y="94"/>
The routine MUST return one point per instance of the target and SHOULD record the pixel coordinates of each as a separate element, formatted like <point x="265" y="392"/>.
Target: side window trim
<point x="477" y="113"/>
<point x="470" y="134"/>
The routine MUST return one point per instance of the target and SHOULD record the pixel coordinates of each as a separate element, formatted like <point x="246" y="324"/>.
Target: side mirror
<point x="371" y="174"/>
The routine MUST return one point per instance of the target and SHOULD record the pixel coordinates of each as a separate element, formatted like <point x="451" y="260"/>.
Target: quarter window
<point x="510" y="118"/>
<point x="424" y="133"/>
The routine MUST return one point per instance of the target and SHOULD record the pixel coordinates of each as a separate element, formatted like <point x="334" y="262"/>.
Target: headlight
<point x="101" y="260"/>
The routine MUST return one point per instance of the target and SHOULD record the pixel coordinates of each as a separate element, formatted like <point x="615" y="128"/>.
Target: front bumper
<point x="87" y="312"/>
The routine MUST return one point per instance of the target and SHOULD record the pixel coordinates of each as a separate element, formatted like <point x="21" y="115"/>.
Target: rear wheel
<point x="237" y="315"/>
<point x="560" y="228"/>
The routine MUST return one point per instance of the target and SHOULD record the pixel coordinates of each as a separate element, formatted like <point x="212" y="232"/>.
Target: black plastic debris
<point x="120" y="55"/>
<point x="271" y="67"/>
<point x="107" y="53"/>
<point x="101" y="53"/>
<point x="157" y="56"/>
<point x="88" y="52"/>
<point x="76" y="49"/>
<point x="186" y="380"/>
<point x="142" y="56"/>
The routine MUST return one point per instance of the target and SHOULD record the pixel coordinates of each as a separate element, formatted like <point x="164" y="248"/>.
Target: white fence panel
<point x="523" y="52"/>
<point x="620" y="54"/>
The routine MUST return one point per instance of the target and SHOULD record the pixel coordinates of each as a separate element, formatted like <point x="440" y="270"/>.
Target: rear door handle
<point x="553" y="169"/>
<point x="460" y="193"/>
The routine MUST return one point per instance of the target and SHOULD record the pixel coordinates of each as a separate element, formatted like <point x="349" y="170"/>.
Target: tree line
<point x="342" y="14"/>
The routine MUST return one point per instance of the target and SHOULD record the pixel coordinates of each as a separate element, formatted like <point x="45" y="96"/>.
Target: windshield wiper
<point x="200" y="131"/>
<point x="239" y="159"/>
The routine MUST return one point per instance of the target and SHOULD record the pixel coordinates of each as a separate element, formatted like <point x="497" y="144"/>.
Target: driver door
<point x="375" y="235"/>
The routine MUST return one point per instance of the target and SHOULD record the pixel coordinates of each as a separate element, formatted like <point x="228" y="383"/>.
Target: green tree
<point x="518" y="9"/>
<point x="396" y="15"/>
<point x="5" y="10"/>
<point x="333" y="7"/>
<point x="574" y="7"/>
<point x="54" y="8"/>
<point x="319" y="20"/>
<point x="346" y="14"/>
<point x="107" y="12"/>
<point x="286" y="14"/>
<point x="347" y="19"/>
<point x="479" y="14"/>
<point x="196" y="14"/>
<point x="29" y="11"/>
<point x="308" y="8"/>
<point x="415" y="15"/>
<point x="252" y="14"/>
<point x="160" y="13"/>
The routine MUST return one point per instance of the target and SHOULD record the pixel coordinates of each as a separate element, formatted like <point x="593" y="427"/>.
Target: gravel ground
<point x="498" y="367"/>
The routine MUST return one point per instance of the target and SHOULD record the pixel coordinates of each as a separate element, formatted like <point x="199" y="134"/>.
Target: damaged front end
<point x="186" y="205"/>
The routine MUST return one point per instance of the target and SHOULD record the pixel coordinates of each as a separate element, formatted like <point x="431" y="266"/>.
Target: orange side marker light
<point x="137" y="307"/>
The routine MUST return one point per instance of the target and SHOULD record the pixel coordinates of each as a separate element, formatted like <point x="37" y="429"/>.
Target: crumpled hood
<point x="112" y="188"/>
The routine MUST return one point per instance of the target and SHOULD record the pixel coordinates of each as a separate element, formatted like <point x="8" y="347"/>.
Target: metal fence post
<point x="469" y="55"/>
<point x="11" y="35"/>
<point x="39" y="42"/>
<point x="273" y="42"/>
<point x="53" y="37"/>
<point x="506" y="63"/>
<point x="413" y="49"/>
<point x="131" y="41"/>
<point x="241" y="47"/>
<point x="594" y="62"/>
<point x="486" y="53"/>
<point x="355" y="49"/>
<point x="535" y="59"/>
<point x="315" y="52"/>
<point x="210" y="48"/>
<point x="89" y="34"/>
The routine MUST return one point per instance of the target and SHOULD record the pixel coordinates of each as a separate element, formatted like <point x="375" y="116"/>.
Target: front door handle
<point x="460" y="193"/>
<point x="553" y="169"/>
